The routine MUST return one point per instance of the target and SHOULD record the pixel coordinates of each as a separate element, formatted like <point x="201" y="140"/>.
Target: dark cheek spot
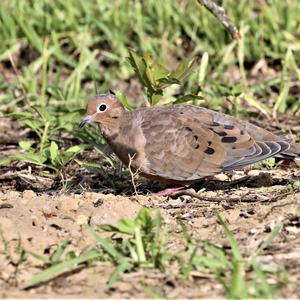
<point x="242" y="132"/>
<point x="228" y="139"/>
<point x="196" y="137"/>
<point x="209" y="143"/>
<point x="181" y="112"/>
<point x="115" y="117"/>
<point x="189" y="129"/>
<point x="209" y="151"/>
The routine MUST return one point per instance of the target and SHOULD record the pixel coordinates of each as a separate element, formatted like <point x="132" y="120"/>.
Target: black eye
<point x="102" y="107"/>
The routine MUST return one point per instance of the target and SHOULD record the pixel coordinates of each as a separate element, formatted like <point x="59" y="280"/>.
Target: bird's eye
<point x="102" y="107"/>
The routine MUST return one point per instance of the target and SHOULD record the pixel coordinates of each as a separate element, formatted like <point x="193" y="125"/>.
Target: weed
<point x="143" y="243"/>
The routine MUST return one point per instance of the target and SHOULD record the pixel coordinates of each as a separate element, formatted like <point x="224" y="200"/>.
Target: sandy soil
<point x="40" y="221"/>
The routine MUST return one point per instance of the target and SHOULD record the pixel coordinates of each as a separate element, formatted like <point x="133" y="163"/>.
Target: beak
<point x="86" y="120"/>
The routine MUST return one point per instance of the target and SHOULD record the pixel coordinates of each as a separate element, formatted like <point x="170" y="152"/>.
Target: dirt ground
<point x="251" y="206"/>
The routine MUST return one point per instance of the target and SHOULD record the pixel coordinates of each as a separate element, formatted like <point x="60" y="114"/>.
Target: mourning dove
<point x="183" y="143"/>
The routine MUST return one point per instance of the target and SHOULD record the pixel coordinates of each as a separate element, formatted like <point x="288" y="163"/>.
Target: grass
<point x="143" y="243"/>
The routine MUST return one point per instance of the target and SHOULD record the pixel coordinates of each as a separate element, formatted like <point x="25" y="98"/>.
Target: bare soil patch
<point x="40" y="221"/>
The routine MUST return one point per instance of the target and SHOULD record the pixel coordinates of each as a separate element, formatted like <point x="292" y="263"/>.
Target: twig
<point x="132" y="174"/>
<point x="278" y="206"/>
<point x="23" y="92"/>
<point x="221" y="15"/>
<point x="243" y="199"/>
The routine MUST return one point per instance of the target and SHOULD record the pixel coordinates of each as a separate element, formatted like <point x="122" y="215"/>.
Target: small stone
<point x="254" y="172"/>
<point x="34" y="220"/>
<point x="82" y="220"/>
<point x="48" y="211"/>
<point x="98" y="202"/>
<point x="237" y="176"/>
<point x="175" y="202"/>
<point x="29" y="194"/>
<point x="96" y="221"/>
<point x="222" y="177"/>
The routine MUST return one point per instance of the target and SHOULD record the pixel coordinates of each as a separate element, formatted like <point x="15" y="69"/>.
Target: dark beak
<point x="85" y="121"/>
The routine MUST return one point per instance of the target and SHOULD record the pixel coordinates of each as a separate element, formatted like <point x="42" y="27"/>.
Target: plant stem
<point x="139" y="245"/>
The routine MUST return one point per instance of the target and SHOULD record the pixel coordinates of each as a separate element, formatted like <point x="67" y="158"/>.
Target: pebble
<point x="96" y="220"/>
<point x="254" y="172"/>
<point x="47" y="210"/>
<point x="29" y="194"/>
<point x="82" y="220"/>
<point x="222" y="177"/>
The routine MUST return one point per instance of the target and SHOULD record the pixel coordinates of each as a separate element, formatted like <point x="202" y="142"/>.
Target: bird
<point x="182" y="144"/>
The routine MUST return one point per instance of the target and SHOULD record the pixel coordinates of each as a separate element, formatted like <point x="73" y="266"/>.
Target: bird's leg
<point x="169" y="191"/>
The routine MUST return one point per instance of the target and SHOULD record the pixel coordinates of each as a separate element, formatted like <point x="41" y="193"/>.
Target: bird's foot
<point x="168" y="192"/>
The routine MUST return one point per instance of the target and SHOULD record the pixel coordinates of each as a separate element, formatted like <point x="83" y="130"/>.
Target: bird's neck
<point x="111" y="127"/>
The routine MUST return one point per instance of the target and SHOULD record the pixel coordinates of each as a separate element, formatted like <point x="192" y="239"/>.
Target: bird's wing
<point x="181" y="145"/>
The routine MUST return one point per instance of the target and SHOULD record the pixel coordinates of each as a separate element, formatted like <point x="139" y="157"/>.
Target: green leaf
<point x="25" y="145"/>
<point x="184" y="69"/>
<point x="139" y="65"/>
<point x="281" y="102"/>
<point x="166" y="81"/>
<point x="34" y="158"/>
<point x="124" y="100"/>
<point x="203" y="69"/>
<point x="109" y="228"/>
<point x="123" y="266"/>
<point x="158" y="70"/>
<point x="77" y="148"/>
<point x="126" y="226"/>
<point x="56" y="269"/>
<point x="59" y="251"/>
<point x="105" y="244"/>
<point x="237" y="255"/>
<point x="43" y="113"/>
<point x="187" y="98"/>
<point x="266" y="242"/>
<point x="5" y="161"/>
<point x="54" y="152"/>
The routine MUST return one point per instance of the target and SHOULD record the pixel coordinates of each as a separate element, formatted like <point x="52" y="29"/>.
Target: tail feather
<point x="292" y="153"/>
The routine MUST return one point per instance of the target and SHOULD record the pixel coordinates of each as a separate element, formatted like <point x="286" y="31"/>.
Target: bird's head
<point x="104" y="109"/>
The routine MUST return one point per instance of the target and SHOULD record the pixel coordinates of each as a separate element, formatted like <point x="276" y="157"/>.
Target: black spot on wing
<point x="188" y="129"/>
<point x="228" y="139"/>
<point x="230" y="127"/>
<point x="214" y="124"/>
<point x="209" y="151"/>
<point x="222" y="133"/>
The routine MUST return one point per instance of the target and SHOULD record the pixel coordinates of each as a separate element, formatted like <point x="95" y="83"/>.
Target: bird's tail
<point x="292" y="153"/>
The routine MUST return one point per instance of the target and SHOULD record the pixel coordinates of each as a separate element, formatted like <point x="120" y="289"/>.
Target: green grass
<point x="66" y="50"/>
<point x="143" y="243"/>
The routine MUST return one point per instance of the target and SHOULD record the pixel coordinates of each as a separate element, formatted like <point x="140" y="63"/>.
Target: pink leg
<point x="168" y="192"/>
